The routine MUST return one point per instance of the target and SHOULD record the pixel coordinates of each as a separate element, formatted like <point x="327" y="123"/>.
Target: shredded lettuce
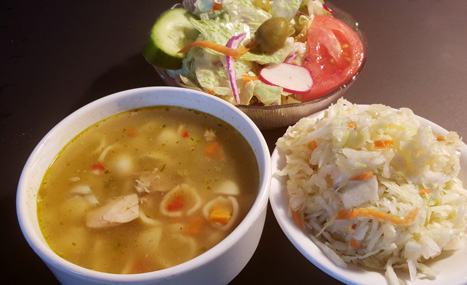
<point x="267" y="94"/>
<point x="218" y="32"/>
<point x="205" y="69"/>
<point x="244" y="11"/>
<point x="285" y="8"/>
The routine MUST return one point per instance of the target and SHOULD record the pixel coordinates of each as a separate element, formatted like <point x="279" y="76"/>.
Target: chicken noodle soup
<point x="147" y="189"/>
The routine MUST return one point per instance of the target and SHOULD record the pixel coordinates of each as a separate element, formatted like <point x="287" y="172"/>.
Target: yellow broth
<point x="147" y="189"/>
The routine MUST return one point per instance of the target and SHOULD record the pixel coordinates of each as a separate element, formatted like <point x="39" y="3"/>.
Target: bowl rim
<point x="299" y="238"/>
<point x="259" y="205"/>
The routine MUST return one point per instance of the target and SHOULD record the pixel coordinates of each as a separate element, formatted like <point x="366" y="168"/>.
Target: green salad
<point x="255" y="52"/>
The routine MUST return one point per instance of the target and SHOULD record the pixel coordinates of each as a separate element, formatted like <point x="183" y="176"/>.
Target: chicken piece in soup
<point x="147" y="189"/>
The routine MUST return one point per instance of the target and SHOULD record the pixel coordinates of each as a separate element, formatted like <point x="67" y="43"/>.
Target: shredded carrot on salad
<point x="235" y="53"/>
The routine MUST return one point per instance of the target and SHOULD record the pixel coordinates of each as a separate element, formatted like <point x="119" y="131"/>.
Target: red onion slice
<point x="234" y="43"/>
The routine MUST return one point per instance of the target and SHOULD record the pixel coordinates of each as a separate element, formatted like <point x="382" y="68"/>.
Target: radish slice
<point x="292" y="78"/>
<point x="234" y="43"/>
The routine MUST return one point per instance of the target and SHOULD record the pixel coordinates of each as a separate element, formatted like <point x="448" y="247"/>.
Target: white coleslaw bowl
<point x="218" y="265"/>
<point x="449" y="267"/>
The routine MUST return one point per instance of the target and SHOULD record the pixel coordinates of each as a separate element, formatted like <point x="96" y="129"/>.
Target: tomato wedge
<point x="335" y="53"/>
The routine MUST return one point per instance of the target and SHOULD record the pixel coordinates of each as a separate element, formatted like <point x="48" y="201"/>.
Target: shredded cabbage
<point x="408" y="207"/>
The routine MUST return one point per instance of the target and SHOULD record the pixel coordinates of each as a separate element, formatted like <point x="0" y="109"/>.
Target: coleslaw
<point x="376" y="188"/>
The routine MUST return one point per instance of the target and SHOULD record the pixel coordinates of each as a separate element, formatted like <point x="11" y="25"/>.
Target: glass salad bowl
<point x="275" y="116"/>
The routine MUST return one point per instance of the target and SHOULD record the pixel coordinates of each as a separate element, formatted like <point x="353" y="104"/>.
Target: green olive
<point x="271" y="35"/>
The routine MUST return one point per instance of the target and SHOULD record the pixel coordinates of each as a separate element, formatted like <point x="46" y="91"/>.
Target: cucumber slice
<point x="171" y="32"/>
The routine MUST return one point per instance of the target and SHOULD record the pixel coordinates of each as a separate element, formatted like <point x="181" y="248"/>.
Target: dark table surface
<point x="57" y="56"/>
